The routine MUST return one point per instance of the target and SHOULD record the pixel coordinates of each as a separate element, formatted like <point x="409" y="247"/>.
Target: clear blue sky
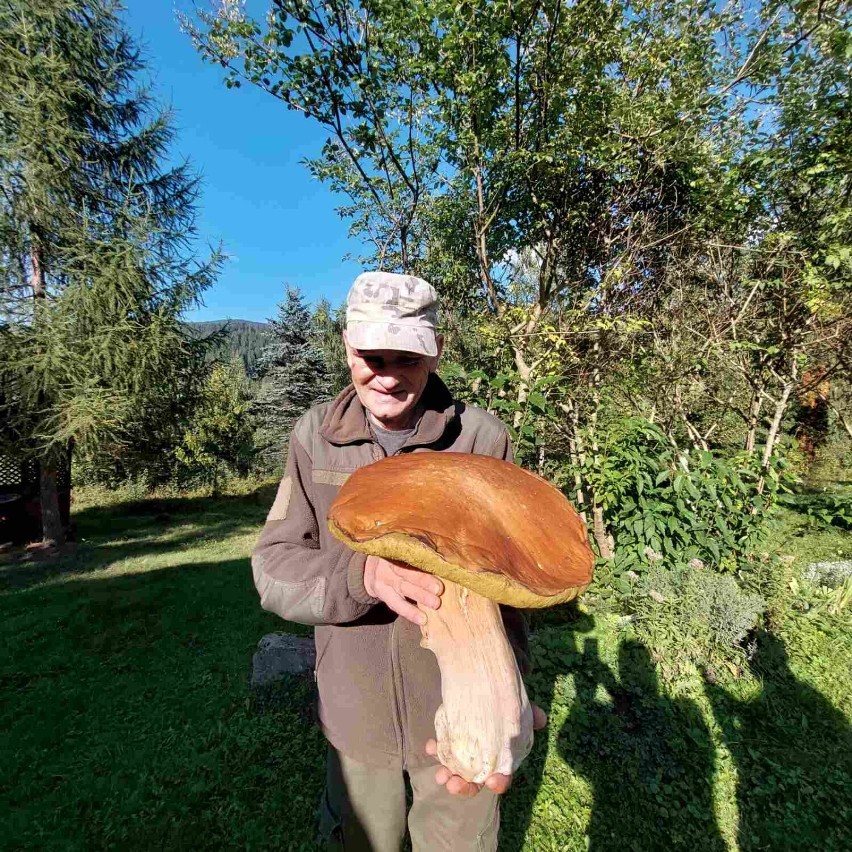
<point x="278" y="224"/>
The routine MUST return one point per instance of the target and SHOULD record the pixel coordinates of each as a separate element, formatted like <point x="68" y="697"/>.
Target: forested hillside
<point x="242" y="338"/>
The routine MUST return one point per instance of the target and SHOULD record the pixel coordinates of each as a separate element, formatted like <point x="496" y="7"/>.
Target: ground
<point x="127" y="721"/>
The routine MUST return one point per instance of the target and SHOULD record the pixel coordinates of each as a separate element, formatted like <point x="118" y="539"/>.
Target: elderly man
<point x="378" y="688"/>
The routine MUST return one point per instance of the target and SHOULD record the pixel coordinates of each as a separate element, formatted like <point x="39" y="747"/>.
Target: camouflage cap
<point x="389" y="311"/>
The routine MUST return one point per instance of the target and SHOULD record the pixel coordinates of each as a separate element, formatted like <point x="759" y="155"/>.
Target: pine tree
<point x="328" y="333"/>
<point x="294" y="377"/>
<point x="218" y="439"/>
<point x="96" y="260"/>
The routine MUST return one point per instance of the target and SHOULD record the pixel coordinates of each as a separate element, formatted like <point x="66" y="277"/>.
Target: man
<point x="378" y="688"/>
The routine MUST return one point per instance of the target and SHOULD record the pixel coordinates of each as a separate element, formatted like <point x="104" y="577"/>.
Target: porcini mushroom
<point x="494" y="533"/>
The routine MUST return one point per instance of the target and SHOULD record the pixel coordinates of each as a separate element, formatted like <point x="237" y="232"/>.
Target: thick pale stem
<point x="485" y="724"/>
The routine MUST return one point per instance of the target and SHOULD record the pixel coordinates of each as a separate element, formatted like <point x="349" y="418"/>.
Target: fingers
<point x="498" y="783"/>
<point x="401" y="606"/>
<point x="418" y="594"/>
<point x="442" y="775"/>
<point x="455" y="784"/>
<point x="419" y="579"/>
<point x="539" y="717"/>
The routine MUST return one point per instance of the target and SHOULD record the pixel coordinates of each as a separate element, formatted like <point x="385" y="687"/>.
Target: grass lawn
<point x="127" y="721"/>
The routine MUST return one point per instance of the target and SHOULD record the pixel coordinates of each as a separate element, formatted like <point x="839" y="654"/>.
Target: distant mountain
<point x="244" y="338"/>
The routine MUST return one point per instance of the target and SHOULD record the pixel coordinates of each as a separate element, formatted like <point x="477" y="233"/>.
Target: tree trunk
<point x="773" y="436"/>
<point x="53" y="533"/>
<point x="753" y="420"/>
<point x="601" y="537"/>
<point x="599" y="527"/>
<point x="575" y="453"/>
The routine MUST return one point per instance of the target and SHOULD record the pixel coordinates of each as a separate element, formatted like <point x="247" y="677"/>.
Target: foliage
<point x="293" y="377"/>
<point x="96" y="228"/>
<point x="631" y="211"/>
<point x="656" y="500"/>
<point x="327" y="334"/>
<point x="689" y="615"/>
<point x="242" y="338"/>
<point x="677" y="505"/>
<point x="218" y="438"/>
<point x="823" y="509"/>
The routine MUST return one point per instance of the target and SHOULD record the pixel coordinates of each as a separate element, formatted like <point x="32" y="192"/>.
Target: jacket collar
<point x="345" y="421"/>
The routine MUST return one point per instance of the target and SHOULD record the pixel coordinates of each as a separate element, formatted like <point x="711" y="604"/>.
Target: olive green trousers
<point x="364" y="810"/>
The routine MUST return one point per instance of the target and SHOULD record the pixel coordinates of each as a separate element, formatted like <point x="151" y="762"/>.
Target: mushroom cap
<point x="484" y="523"/>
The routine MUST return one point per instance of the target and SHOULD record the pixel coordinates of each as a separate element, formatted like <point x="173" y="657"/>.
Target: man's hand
<point x="497" y="782"/>
<point x="392" y="583"/>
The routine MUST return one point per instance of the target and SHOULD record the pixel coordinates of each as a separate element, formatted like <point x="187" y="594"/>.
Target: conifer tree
<point x="96" y="240"/>
<point x="294" y="377"/>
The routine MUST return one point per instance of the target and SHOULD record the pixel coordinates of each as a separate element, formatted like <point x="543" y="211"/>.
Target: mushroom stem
<point x="485" y="723"/>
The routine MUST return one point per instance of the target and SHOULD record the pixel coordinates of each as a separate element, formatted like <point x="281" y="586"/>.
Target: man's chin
<point x="390" y="410"/>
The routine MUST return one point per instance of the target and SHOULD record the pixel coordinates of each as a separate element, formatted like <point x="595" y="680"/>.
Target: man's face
<point x="389" y="382"/>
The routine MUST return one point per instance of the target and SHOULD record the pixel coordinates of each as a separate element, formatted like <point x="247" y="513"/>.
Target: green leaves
<point x="659" y="505"/>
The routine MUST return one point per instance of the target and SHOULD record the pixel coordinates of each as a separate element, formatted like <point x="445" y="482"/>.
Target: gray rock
<point x="280" y="654"/>
<point x="828" y="573"/>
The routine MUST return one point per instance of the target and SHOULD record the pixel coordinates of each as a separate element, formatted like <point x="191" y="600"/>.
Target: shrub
<point x="218" y="439"/>
<point x="679" y="505"/>
<point x="822" y="509"/>
<point x="691" y="615"/>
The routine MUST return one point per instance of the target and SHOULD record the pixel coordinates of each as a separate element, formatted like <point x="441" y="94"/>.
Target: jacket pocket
<point x="486" y="840"/>
<point x="322" y="638"/>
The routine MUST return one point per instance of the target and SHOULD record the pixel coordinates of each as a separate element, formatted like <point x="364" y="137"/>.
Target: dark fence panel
<point x="20" y="503"/>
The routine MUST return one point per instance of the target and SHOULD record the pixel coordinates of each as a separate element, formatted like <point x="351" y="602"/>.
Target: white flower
<point x="652" y="554"/>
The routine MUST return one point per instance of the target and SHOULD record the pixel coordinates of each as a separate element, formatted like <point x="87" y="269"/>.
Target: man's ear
<point x="439" y="342"/>
<point x="349" y="357"/>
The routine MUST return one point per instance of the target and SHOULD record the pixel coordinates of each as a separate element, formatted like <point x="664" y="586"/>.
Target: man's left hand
<point x="497" y="783"/>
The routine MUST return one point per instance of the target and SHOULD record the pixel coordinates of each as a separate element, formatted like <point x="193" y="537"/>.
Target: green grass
<point x="808" y="541"/>
<point x="127" y="720"/>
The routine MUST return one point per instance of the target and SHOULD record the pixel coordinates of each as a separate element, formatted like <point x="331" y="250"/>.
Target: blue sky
<point x="278" y="224"/>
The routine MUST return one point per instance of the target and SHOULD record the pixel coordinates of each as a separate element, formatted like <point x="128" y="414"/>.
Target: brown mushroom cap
<point x="484" y="523"/>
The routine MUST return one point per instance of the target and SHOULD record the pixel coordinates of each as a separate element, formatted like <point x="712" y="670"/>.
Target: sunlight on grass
<point x="127" y="719"/>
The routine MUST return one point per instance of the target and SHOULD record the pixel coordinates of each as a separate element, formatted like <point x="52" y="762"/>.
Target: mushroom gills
<point x="485" y="723"/>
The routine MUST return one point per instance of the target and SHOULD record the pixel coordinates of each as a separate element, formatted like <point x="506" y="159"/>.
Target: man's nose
<point x="387" y="380"/>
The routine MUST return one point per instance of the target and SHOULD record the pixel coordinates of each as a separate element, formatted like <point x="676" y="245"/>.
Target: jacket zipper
<point x="396" y="672"/>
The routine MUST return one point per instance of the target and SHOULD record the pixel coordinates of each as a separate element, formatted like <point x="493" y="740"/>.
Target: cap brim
<point x="382" y="335"/>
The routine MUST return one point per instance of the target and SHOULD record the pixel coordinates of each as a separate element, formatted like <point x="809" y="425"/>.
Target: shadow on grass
<point x="793" y="752"/>
<point x="144" y="528"/>
<point x="649" y="758"/>
<point x="548" y="664"/>
<point x="126" y="719"/>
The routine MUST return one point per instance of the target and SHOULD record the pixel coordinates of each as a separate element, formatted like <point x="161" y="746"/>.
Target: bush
<point x="218" y="440"/>
<point x="678" y="505"/>
<point x="822" y="509"/>
<point x="690" y="615"/>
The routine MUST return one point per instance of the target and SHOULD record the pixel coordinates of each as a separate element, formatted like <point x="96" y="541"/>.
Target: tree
<point x="632" y="209"/>
<point x="293" y="378"/>
<point x="96" y="235"/>
<point x="327" y="334"/>
<point x="218" y="438"/>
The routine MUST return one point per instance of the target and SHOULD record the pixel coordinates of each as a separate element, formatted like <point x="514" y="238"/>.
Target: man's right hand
<point x="392" y="583"/>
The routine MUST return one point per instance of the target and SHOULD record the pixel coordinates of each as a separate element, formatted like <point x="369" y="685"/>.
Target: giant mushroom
<point x="495" y="534"/>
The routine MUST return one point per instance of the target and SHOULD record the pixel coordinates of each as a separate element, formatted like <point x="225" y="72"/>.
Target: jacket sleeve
<point x="296" y="576"/>
<point x="513" y="619"/>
